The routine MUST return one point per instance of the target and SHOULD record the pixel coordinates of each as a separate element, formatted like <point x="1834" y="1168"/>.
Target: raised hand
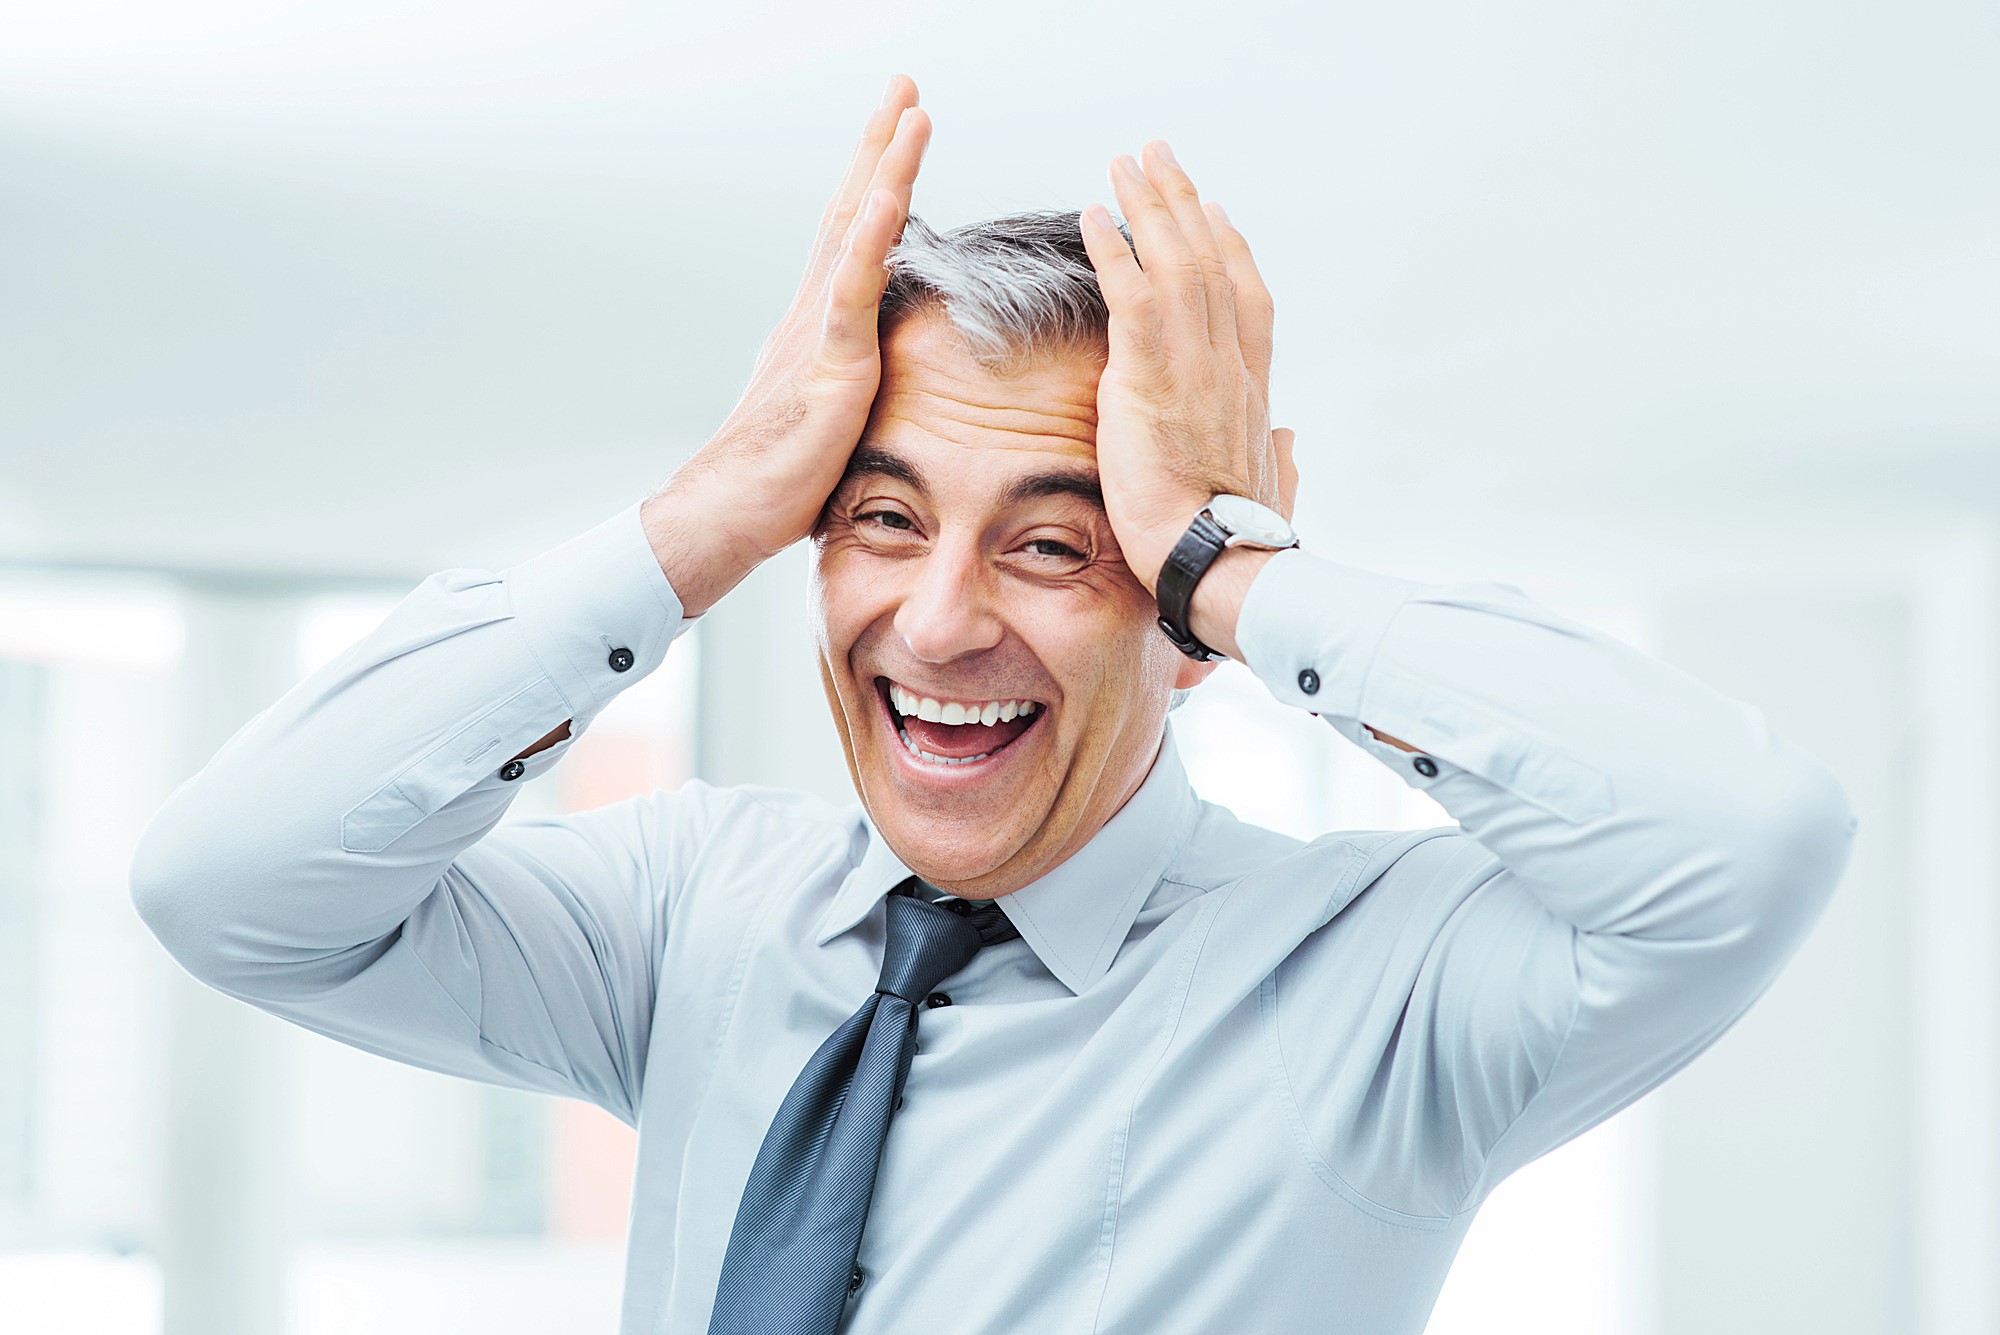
<point x="1182" y="408"/>
<point x="758" y="483"/>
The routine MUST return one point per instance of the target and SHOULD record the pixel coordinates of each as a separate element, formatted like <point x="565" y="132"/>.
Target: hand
<point x="1182" y="407"/>
<point x="759" y="482"/>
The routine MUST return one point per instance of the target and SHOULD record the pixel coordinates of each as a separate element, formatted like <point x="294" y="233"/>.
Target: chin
<point x="946" y="848"/>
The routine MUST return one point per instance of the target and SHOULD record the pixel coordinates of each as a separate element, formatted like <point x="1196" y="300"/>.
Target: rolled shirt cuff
<point x="597" y="612"/>
<point x="1309" y="628"/>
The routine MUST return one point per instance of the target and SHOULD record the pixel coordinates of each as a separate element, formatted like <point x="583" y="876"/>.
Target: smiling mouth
<point x="955" y="732"/>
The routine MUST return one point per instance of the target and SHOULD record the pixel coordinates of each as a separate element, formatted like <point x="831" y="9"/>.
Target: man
<point x="1128" y="1063"/>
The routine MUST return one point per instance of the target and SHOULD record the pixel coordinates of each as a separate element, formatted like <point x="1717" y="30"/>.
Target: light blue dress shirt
<point x="1225" y="1081"/>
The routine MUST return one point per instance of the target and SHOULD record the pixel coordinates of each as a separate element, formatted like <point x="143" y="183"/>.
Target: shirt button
<point x="937" y="999"/>
<point x="856" y="1280"/>
<point x="512" y="770"/>
<point x="1309" y="682"/>
<point x="1426" y="766"/>
<point x="620" y="660"/>
<point x="959" y="906"/>
<point x="899" y="1103"/>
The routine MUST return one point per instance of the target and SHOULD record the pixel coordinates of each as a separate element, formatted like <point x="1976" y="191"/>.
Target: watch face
<point x="1247" y="521"/>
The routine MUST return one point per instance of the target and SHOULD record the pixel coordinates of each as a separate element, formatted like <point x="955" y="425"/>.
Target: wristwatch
<point x="1226" y="521"/>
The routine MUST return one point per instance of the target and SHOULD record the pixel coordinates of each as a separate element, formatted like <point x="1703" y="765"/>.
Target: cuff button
<point x="512" y="770"/>
<point x="1309" y="682"/>
<point x="1426" y="766"/>
<point x="620" y="660"/>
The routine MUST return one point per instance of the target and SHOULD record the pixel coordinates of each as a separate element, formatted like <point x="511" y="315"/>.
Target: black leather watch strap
<point x="1174" y="589"/>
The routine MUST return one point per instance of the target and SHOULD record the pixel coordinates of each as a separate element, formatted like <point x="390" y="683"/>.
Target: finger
<point x="1172" y="268"/>
<point x="1184" y="203"/>
<point x="897" y="171"/>
<point x="876" y="136"/>
<point x="1282" y="441"/>
<point x="898" y="97"/>
<point x="848" y="340"/>
<point x="1135" y="317"/>
<point x="1254" y="314"/>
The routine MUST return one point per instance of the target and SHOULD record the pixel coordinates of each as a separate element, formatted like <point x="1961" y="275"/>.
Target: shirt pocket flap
<point x="1501" y="752"/>
<point x="447" y="771"/>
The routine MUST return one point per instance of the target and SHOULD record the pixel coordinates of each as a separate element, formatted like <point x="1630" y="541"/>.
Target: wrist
<point x="1147" y="546"/>
<point x="1218" y="598"/>
<point x="699" y="557"/>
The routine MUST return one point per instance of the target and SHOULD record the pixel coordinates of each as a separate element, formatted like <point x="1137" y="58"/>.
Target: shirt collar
<point x="1075" y="917"/>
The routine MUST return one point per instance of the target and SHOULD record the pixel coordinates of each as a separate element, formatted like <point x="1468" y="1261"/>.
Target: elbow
<point x="174" y="884"/>
<point x="160" y="881"/>
<point x="1788" y="841"/>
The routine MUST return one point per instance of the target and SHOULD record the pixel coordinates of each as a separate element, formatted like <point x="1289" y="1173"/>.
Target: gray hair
<point x="1010" y="286"/>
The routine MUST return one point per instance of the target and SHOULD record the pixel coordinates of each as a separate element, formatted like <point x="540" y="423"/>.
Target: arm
<point x="1644" y="854"/>
<point x="1648" y="857"/>
<point x="338" y="862"/>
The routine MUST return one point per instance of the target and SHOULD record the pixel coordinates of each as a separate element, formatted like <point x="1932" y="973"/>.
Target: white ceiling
<point x="377" y="286"/>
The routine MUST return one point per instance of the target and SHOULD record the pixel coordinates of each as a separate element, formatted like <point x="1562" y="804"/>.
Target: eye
<point x="893" y="519"/>
<point x="1049" y="547"/>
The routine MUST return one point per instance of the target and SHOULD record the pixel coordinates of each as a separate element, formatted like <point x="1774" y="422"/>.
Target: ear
<point x="1191" y="674"/>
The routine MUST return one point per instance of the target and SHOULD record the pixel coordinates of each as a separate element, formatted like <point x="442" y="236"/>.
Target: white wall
<point x="1786" y="1150"/>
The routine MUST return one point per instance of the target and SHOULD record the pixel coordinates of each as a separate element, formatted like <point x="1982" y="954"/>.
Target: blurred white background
<point x="1682" y="315"/>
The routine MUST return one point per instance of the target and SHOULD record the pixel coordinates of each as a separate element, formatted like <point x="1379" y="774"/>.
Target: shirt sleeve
<point x="1641" y="855"/>
<point x="337" y="862"/>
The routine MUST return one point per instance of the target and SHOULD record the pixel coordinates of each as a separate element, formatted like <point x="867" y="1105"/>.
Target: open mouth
<point x="955" y="732"/>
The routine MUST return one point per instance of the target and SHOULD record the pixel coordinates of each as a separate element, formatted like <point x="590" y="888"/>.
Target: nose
<point x="948" y="608"/>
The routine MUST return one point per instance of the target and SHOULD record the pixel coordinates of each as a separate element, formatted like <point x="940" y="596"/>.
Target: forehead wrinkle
<point x="927" y="374"/>
<point x="927" y="409"/>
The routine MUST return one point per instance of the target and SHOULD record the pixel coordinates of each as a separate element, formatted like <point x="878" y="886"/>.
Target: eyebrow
<point x="873" y="461"/>
<point x="1080" y="483"/>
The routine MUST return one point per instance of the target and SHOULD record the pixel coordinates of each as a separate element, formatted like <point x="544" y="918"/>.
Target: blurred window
<point x="412" y="1193"/>
<point x="85" y="722"/>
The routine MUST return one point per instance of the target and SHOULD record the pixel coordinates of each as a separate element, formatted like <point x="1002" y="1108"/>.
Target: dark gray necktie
<point x="798" y="1226"/>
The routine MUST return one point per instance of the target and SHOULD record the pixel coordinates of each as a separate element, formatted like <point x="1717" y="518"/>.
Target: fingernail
<point x="1220" y="212"/>
<point x="1167" y="155"/>
<point x="1128" y="164"/>
<point x="1098" y="215"/>
<point x="890" y="92"/>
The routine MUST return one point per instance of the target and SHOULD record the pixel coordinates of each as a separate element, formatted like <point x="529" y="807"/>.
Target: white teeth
<point x="955" y="714"/>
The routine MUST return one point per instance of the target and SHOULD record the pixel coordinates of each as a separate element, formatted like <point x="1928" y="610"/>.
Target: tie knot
<point x="928" y="943"/>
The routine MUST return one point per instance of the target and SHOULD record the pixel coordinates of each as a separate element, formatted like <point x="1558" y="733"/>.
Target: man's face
<point x="966" y="559"/>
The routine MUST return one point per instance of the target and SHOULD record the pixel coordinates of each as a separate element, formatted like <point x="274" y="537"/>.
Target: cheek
<point x="847" y="597"/>
<point x="1105" y="651"/>
<point x="830" y="598"/>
